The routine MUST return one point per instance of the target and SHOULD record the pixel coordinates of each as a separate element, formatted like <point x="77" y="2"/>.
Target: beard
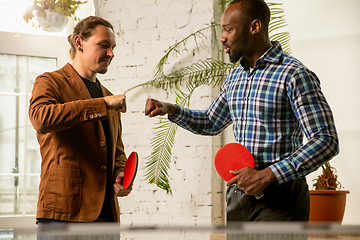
<point x="237" y="50"/>
<point x="235" y="56"/>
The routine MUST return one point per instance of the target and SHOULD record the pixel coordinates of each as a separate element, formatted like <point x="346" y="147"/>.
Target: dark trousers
<point x="289" y="201"/>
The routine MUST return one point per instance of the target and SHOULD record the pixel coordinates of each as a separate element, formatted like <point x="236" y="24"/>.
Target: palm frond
<point x="284" y="39"/>
<point x="158" y="162"/>
<point x="206" y="72"/>
<point x="182" y="45"/>
<point x="277" y="23"/>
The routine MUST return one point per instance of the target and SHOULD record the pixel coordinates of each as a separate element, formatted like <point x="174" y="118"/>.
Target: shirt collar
<point x="273" y="54"/>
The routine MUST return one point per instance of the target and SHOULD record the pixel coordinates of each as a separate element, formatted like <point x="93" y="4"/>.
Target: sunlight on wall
<point x="11" y="12"/>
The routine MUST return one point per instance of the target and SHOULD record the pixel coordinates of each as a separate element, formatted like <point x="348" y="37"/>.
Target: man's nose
<point x="223" y="39"/>
<point x="110" y="52"/>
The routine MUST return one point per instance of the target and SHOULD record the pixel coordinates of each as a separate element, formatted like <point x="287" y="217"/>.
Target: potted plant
<point x="327" y="201"/>
<point x="52" y="15"/>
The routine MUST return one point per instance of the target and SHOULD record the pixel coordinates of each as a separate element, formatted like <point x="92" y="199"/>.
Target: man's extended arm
<point x="48" y="112"/>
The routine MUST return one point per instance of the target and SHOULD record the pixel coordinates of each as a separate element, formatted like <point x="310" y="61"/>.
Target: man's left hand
<point x="119" y="189"/>
<point x="252" y="181"/>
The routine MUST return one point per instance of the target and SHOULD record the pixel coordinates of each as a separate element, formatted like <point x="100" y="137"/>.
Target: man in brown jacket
<point x="78" y="127"/>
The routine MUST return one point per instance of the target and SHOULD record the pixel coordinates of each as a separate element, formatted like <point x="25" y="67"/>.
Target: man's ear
<point x="78" y="42"/>
<point x="255" y="26"/>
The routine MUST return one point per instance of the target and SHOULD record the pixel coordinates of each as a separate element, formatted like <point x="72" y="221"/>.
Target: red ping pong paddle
<point x="130" y="170"/>
<point x="233" y="156"/>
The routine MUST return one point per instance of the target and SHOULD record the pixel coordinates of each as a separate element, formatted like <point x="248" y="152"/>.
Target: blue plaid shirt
<point x="271" y="108"/>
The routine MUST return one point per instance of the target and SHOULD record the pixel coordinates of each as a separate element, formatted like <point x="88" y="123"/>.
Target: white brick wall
<point x="145" y="29"/>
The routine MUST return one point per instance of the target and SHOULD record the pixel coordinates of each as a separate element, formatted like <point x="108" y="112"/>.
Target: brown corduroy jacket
<point x="73" y="147"/>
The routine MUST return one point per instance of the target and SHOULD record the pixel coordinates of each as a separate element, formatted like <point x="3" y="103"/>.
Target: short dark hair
<point x="85" y="29"/>
<point x="255" y="9"/>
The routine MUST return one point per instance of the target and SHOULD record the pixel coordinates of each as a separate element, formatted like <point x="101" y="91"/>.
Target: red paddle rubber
<point x="130" y="170"/>
<point x="233" y="156"/>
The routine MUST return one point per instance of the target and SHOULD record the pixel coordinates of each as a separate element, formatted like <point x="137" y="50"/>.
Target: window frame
<point x="35" y="46"/>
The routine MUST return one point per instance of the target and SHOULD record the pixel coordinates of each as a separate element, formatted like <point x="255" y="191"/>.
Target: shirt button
<point x="242" y="118"/>
<point x="102" y="144"/>
<point x="103" y="167"/>
<point x="244" y="98"/>
<point x="241" y="138"/>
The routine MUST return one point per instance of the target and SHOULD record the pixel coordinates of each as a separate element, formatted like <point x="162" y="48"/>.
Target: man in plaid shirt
<point x="272" y="99"/>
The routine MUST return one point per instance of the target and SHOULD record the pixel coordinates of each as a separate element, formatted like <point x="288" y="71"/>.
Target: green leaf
<point x="158" y="162"/>
<point x="203" y="72"/>
<point x="179" y="47"/>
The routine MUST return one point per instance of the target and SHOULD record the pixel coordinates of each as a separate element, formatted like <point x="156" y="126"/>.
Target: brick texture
<point x="144" y="31"/>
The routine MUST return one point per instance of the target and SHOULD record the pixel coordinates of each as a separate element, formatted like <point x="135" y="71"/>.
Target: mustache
<point x="105" y="59"/>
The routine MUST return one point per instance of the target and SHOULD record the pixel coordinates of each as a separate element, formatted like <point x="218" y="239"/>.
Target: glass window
<point x="25" y="52"/>
<point x="19" y="149"/>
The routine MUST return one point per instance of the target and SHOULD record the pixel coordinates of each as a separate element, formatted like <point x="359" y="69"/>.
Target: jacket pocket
<point x="63" y="189"/>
